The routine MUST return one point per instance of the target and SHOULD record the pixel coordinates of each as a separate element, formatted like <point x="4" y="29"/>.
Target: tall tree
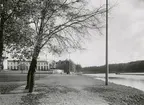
<point x="10" y="12"/>
<point x="60" y="24"/>
<point x="18" y="39"/>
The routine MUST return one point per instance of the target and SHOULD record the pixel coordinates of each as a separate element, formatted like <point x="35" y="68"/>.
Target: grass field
<point x="15" y="76"/>
<point x="10" y="80"/>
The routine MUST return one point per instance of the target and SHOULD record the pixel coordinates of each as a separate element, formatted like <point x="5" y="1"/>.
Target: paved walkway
<point x="56" y="90"/>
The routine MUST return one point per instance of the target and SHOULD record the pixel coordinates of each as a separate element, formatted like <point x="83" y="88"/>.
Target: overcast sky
<point x="126" y="39"/>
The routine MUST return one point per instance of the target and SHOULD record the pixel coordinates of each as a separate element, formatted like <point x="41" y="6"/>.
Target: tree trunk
<point x="31" y="75"/>
<point x="31" y="72"/>
<point x="1" y="41"/>
<point x="27" y="85"/>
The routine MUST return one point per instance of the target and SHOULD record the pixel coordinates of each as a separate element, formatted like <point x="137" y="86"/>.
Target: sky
<point x="126" y="39"/>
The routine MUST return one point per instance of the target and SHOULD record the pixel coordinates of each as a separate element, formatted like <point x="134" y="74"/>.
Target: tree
<point x="66" y="65"/>
<point x="11" y="13"/>
<point x="78" y="68"/>
<point x="72" y="66"/>
<point x="60" y="24"/>
<point x="18" y="40"/>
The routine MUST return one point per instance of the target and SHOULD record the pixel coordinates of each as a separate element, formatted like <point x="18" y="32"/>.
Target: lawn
<point x="10" y="80"/>
<point x="17" y="76"/>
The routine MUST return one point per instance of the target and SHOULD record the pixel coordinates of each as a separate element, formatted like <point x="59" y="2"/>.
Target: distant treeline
<point x="136" y="66"/>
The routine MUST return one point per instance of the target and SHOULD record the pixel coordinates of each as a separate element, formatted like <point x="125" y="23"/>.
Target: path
<point x="75" y="94"/>
<point x="56" y="90"/>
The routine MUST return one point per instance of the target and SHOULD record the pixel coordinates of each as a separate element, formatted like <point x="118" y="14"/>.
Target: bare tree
<point x="60" y="25"/>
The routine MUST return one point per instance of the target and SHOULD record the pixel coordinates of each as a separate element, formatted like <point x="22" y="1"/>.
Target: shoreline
<point x="125" y="80"/>
<point x="117" y="94"/>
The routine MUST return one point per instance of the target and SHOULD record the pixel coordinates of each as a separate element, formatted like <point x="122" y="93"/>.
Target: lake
<point x="135" y="80"/>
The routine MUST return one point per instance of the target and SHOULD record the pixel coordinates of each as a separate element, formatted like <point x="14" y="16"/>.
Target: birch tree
<point x="60" y="25"/>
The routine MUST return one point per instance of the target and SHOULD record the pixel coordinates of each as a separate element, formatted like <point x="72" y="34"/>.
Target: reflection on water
<point x="136" y="81"/>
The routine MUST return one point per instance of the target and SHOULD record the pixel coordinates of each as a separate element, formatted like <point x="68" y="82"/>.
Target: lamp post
<point x="107" y="65"/>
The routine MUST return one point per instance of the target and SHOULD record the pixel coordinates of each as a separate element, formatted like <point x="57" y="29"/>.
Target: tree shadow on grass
<point x="41" y="91"/>
<point x="7" y="88"/>
<point x="56" y="89"/>
<point x="26" y="98"/>
<point x="31" y="99"/>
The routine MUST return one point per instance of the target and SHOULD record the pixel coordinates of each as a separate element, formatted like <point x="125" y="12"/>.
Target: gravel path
<point x="73" y="90"/>
<point x="69" y="90"/>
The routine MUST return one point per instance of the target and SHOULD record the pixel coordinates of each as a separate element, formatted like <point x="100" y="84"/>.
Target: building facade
<point x="24" y="65"/>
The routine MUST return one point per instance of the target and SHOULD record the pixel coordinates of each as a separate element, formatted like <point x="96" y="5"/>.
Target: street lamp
<point x="107" y="65"/>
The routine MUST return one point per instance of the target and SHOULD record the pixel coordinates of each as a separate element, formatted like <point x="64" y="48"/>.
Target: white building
<point x="24" y="65"/>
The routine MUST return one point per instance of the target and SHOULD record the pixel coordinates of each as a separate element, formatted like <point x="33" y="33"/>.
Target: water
<point x="135" y="80"/>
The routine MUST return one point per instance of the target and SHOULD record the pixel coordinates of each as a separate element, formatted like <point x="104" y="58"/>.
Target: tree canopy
<point x="14" y="30"/>
<point x="56" y="25"/>
<point x="63" y="24"/>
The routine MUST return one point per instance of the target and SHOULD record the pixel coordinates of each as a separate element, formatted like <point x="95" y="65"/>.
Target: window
<point x="42" y="68"/>
<point x="38" y="67"/>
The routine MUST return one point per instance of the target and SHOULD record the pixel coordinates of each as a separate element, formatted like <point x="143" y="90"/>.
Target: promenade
<point x="57" y="89"/>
